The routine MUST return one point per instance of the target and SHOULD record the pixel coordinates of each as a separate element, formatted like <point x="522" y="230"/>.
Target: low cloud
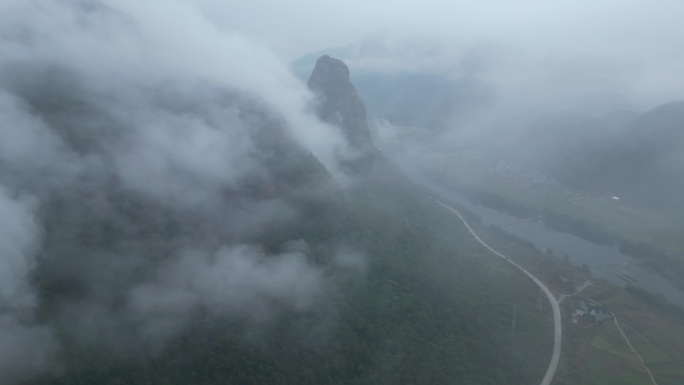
<point x="238" y="280"/>
<point x="17" y="249"/>
<point x="137" y="182"/>
<point x="26" y="346"/>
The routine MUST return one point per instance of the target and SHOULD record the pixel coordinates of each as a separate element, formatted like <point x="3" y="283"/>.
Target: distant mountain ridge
<point x="639" y="157"/>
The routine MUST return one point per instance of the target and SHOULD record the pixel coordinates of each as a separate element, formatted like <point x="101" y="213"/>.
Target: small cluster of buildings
<point x="588" y="313"/>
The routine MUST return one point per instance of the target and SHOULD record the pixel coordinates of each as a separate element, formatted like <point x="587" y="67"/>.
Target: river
<point x="606" y="262"/>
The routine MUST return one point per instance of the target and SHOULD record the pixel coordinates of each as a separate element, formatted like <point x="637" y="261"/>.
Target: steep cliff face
<point x="339" y="103"/>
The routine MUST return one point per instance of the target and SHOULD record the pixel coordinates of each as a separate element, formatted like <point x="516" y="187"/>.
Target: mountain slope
<point x="636" y="157"/>
<point x="275" y="276"/>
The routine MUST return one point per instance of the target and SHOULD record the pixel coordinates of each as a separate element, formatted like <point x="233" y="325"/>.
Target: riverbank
<point x="599" y="354"/>
<point x="615" y="256"/>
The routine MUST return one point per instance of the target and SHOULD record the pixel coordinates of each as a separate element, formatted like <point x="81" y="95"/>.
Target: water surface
<point x="606" y="262"/>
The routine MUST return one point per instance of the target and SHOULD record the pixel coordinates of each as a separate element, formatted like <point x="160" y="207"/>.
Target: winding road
<point x="555" y="357"/>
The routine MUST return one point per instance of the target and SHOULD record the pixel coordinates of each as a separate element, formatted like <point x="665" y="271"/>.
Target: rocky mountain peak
<point x="339" y="103"/>
<point x="331" y="69"/>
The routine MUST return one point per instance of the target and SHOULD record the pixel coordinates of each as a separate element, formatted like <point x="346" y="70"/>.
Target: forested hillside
<point x="169" y="254"/>
<point x="634" y="156"/>
<point x="421" y="305"/>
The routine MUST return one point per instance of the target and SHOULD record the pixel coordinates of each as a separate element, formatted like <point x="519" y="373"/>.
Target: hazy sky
<point x="629" y="44"/>
<point x="297" y="27"/>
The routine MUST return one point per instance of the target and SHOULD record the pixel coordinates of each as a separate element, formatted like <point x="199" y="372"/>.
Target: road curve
<point x="557" y="333"/>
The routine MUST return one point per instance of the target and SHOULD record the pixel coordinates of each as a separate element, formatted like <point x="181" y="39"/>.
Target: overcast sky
<point x="297" y="27"/>
<point x="635" y="43"/>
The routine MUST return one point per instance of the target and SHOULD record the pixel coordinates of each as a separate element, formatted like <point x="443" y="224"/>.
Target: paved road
<point x="555" y="356"/>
